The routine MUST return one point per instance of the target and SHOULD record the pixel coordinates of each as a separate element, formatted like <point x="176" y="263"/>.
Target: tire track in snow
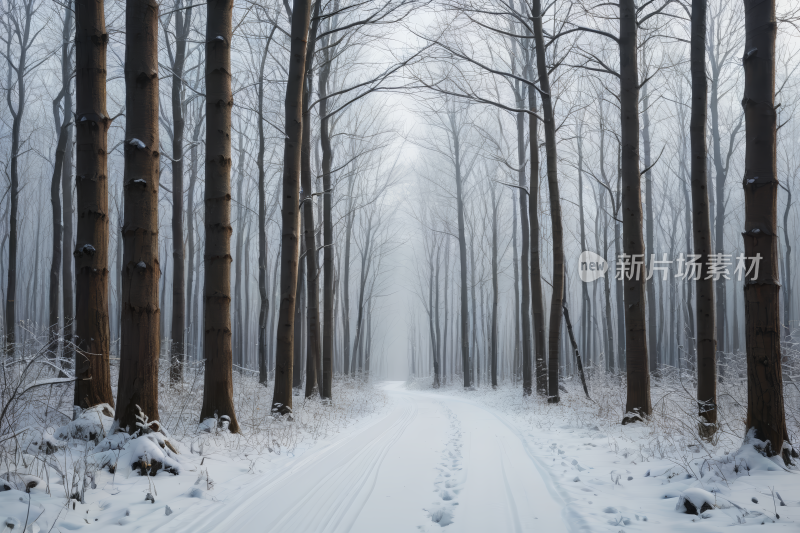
<point x="322" y="491"/>
<point x="341" y="495"/>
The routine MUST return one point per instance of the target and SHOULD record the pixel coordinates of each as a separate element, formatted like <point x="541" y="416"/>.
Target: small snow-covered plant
<point x="202" y="477"/>
<point x="144" y="423"/>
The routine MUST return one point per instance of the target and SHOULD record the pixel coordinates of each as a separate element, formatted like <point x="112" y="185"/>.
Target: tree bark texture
<point x="178" y="351"/>
<point x="557" y="300"/>
<point x="217" y="331"/>
<point x="525" y="303"/>
<point x="765" y="407"/>
<point x="92" y="333"/>
<point x="290" y="215"/>
<point x="706" y="326"/>
<point x="637" y="363"/>
<point x="140" y="340"/>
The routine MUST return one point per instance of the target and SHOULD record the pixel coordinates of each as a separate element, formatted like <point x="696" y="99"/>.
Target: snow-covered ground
<point x="421" y="460"/>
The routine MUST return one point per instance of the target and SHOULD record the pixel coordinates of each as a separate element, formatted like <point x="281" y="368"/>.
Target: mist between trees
<point x="251" y="184"/>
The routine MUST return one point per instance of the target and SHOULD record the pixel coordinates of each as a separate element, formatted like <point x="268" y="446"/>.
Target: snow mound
<point x="21" y="482"/>
<point x="696" y="501"/>
<point x="89" y="424"/>
<point x="148" y="454"/>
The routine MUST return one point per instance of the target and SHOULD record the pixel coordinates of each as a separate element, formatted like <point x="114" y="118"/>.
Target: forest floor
<point x="423" y="460"/>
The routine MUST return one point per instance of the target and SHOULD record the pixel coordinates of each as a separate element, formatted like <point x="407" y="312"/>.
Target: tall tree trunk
<point x="140" y="341"/>
<point x="67" y="261"/>
<point x="432" y="322"/>
<point x="263" y="363"/>
<point x="718" y="202"/>
<point x="537" y="298"/>
<point x="462" y="252"/>
<point x="191" y="304"/>
<point x="524" y="310"/>
<point x="365" y="267"/>
<point x="348" y="233"/>
<point x="178" y="334"/>
<point x="495" y="295"/>
<point x="586" y="302"/>
<point x="62" y="125"/>
<point x="91" y="250"/>
<point x="689" y="247"/>
<point x="238" y="322"/>
<point x="290" y="214"/>
<point x="475" y="359"/>
<point x="309" y="228"/>
<point x="556" y="302"/>
<point x="327" y="236"/>
<point x="516" y="314"/>
<point x="445" y="353"/>
<point x="217" y="350"/>
<point x="765" y="408"/>
<point x="706" y="327"/>
<point x="638" y="402"/>
<point x="438" y="355"/>
<point x="611" y="358"/>
<point x="652" y="318"/>
<point x="787" y="271"/>
<point x="297" y="349"/>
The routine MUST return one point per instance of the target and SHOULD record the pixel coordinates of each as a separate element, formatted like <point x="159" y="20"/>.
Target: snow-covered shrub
<point x="695" y="501"/>
<point x="91" y="424"/>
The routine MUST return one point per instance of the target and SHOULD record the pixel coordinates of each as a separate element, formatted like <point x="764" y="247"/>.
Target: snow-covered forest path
<point x="433" y="460"/>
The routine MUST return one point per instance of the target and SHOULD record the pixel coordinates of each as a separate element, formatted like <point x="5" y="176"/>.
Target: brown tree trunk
<point x="438" y="354"/>
<point x="765" y="408"/>
<point x="557" y="300"/>
<point x="327" y="235"/>
<point x="652" y="316"/>
<point x="495" y="294"/>
<point x="706" y="327"/>
<point x="462" y="250"/>
<point x="638" y="365"/>
<point x="525" y="303"/>
<point x="140" y="340"/>
<point x="290" y="214"/>
<point x="55" y="265"/>
<point x="178" y="351"/>
<point x="309" y="228"/>
<point x="92" y="333"/>
<point x="787" y="272"/>
<point x="515" y="260"/>
<point x="537" y="298"/>
<point x="63" y="126"/>
<point x="67" y="261"/>
<point x="217" y="349"/>
<point x="263" y="363"/>
<point x="238" y="299"/>
<point x="586" y="302"/>
<point x="297" y="349"/>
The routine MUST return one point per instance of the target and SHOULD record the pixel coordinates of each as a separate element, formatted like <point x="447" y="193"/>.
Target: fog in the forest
<point x="407" y="87"/>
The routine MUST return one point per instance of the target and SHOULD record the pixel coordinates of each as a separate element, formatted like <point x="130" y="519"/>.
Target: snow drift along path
<point x="432" y="461"/>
